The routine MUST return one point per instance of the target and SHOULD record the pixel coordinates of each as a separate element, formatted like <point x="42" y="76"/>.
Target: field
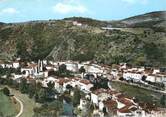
<point x="142" y="94"/>
<point x="7" y="108"/>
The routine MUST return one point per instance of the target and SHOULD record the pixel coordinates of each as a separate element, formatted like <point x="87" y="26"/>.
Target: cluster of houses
<point x="104" y="100"/>
<point x="14" y="64"/>
<point x="62" y="83"/>
<point x="42" y="68"/>
<point x="141" y="74"/>
<point x="117" y="104"/>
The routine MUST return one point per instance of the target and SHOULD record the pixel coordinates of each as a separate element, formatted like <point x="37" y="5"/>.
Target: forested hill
<point x="61" y="40"/>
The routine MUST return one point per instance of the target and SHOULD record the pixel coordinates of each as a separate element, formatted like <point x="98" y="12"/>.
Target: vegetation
<point x="142" y="95"/>
<point x="82" y="69"/>
<point x="53" y="109"/>
<point x="8" y="71"/>
<point x="62" y="72"/>
<point x="6" y="91"/>
<point x="163" y="100"/>
<point x="76" y="97"/>
<point x="7" y="109"/>
<point x="23" y="86"/>
<point x="60" y="40"/>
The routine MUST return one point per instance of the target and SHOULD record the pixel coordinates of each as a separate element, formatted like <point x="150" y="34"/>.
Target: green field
<point x="142" y="94"/>
<point x="7" y="109"/>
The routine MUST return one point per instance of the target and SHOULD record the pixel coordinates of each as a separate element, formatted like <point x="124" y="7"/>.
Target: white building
<point x="8" y="65"/>
<point x="83" y="104"/>
<point x="71" y="66"/>
<point x="16" y="64"/>
<point x="76" y="23"/>
<point x="135" y="76"/>
<point x="54" y="80"/>
<point x="155" y="71"/>
<point x="114" y="72"/>
<point x="30" y="70"/>
<point x="17" y="78"/>
<point x="151" y="78"/>
<point x="100" y="95"/>
<point x="93" y="68"/>
<point x="83" y="84"/>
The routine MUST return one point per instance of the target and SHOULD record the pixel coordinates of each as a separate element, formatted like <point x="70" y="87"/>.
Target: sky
<point x="28" y="10"/>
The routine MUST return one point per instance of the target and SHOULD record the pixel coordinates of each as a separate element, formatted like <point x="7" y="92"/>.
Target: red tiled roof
<point x="120" y="95"/>
<point x="111" y="105"/>
<point x="75" y="78"/>
<point x="98" y="91"/>
<point x="84" y="81"/>
<point x="29" y="78"/>
<point x="63" y="80"/>
<point x="125" y="101"/>
<point x="127" y="109"/>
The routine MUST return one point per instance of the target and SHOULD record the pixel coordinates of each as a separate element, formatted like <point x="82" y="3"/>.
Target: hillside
<point x="61" y="40"/>
<point x="151" y="20"/>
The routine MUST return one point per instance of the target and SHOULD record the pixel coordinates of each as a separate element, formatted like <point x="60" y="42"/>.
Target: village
<point x="94" y="81"/>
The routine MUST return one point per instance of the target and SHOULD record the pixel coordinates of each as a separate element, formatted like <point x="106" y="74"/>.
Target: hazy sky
<point x="26" y="10"/>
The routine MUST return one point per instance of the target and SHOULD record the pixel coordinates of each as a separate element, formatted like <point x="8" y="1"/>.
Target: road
<point x="21" y="107"/>
<point x="28" y="104"/>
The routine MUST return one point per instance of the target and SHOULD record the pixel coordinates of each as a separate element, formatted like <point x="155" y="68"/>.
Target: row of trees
<point x="8" y="71"/>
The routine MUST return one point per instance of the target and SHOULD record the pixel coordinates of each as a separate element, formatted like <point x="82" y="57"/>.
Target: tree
<point x="50" y="85"/>
<point x="10" y="81"/>
<point x="42" y="95"/>
<point x="36" y="97"/>
<point x="143" y="78"/>
<point x="82" y="70"/>
<point x="76" y="97"/>
<point x="38" y="86"/>
<point x="121" y="78"/>
<point x="21" y="48"/>
<point x="53" y="109"/>
<point x="104" y="111"/>
<point x="31" y="89"/>
<point x="69" y="87"/>
<point x="50" y="89"/>
<point x="23" y="86"/>
<point x="163" y="101"/>
<point x="62" y="68"/>
<point x="6" y="91"/>
<point x="1" y="114"/>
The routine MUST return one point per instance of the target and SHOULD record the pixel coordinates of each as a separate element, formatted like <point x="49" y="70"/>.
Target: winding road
<point x="21" y="107"/>
<point x="27" y="104"/>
